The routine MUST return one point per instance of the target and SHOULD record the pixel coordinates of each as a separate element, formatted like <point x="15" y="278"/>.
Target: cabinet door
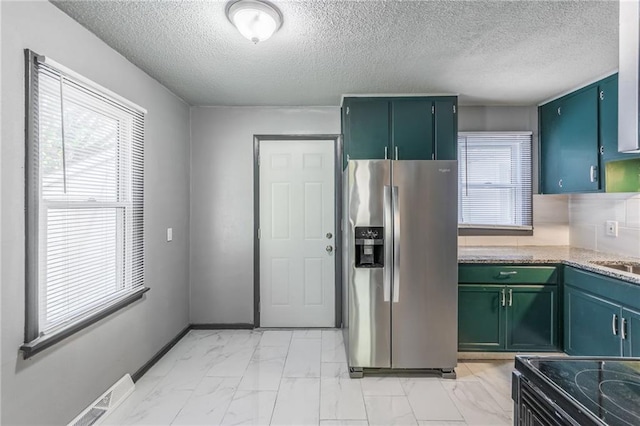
<point x="531" y="318"/>
<point x="631" y="330"/>
<point x="411" y="129"/>
<point x="578" y="132"/>
<point x="480" y="317"/>
<point x="367" y="129"/>
<point x="608" y="98"/>
<point x="446" y="129"/>
<point x="550" y="144"/>
<point x="591" y="325"/>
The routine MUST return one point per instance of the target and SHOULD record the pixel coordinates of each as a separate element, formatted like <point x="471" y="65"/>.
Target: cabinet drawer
<point x="505" y="274"/>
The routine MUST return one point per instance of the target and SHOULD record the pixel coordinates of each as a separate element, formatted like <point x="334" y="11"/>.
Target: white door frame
<point x="337" y="144"/>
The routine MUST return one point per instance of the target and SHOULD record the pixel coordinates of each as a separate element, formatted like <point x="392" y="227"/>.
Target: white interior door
<point x="297" y="287"/>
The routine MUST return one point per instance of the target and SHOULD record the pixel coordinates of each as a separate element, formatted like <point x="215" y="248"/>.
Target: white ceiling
<point x="489" y="52"/>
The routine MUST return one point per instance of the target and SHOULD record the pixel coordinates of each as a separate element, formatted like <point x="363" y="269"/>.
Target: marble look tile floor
<point x="300" y="377"/>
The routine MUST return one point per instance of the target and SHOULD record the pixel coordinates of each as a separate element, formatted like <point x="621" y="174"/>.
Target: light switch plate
<point x="612" y="228"/>
<point x="169" y="234"/>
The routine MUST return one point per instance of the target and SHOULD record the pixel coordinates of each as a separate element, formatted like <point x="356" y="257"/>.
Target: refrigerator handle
<point x="388" y="236"/>
<point x="396" y="245"/>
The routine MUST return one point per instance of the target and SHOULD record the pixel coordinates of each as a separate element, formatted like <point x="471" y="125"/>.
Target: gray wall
<point x="55" y="385"/>
<point x="502" y="118"/>
<point x="222" y="201"/>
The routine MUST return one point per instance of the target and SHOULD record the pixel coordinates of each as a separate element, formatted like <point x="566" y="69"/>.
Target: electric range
<point x="579" y="391"/>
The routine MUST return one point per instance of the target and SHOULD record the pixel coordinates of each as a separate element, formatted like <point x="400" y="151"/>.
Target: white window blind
<point x="85" y="177"/>
<point x="495" y="180"/>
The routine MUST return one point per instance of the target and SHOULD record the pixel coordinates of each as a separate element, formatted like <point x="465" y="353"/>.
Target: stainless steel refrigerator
<point x="400" y="265"/>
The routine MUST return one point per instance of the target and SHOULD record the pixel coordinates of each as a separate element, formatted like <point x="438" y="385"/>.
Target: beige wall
<point x="550" y="226"/>
<point x="588" y="214"/>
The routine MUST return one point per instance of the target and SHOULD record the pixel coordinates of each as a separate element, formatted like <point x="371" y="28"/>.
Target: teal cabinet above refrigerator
<point x="400" y="128"/>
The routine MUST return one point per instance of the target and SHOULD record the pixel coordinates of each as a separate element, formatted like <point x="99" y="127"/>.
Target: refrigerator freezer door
<point x="368" y="338"/>
<point x="425" y="308"/>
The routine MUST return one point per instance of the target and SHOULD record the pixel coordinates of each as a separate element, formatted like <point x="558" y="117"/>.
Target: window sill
<point x="470" y="232"/>
<point x="31" y="348"/>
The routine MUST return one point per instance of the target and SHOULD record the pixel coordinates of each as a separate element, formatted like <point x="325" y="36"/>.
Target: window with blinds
<point x="495" y="180"/>
<point x="85" y="199"/>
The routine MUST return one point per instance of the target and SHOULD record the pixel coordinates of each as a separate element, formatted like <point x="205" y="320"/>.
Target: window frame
<point x="35" y="340"/>
<point x="499" y="230"/>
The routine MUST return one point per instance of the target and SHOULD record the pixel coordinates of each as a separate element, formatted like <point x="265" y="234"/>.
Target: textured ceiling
<point x="490" y="52"/>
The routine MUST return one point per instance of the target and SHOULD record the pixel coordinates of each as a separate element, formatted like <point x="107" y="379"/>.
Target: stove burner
<point x="617" y="393"/>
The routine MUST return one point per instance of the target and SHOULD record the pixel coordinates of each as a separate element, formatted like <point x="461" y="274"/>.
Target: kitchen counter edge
<point x="548" y="255"/>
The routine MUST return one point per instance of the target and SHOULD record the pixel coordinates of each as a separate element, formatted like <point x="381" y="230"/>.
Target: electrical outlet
<point x="612" y="228"/>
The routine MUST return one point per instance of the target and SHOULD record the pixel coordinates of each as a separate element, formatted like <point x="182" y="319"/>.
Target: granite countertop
<point x="580" y="258"/>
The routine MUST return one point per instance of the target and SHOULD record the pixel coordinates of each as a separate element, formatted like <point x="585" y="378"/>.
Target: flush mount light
<point x="256" y="20"/>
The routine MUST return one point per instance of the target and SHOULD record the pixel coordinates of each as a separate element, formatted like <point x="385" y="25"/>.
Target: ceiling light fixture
<point x="255" y="19"/>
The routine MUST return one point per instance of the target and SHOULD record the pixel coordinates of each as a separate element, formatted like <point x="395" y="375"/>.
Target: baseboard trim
<point x="233" y="326"/>
<point x="162" y="352"/>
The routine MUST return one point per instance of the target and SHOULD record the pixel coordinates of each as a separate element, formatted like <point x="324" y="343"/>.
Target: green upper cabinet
<point x="608" y="97"/>
<point x="550" y="158"/>
<point x="446" y="129"/>
<point x="569" y="143"/>
<point x="411" y="129"/>
<point x="403" y="128"/>
<point x="579" y="149"/>
<point x="367" y="129"/>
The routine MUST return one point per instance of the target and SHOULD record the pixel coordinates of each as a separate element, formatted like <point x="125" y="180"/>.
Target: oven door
<point x="532" y="408"/>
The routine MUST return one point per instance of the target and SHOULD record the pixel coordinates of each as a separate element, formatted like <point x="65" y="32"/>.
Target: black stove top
<point x="608" y="388"/>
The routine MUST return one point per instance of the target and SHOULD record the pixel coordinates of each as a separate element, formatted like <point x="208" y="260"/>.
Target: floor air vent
<point x="105" y="404"/>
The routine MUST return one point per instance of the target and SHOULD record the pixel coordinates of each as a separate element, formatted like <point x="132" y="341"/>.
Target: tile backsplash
<point x="588" y="214"/>
<point x="550" y="226"/>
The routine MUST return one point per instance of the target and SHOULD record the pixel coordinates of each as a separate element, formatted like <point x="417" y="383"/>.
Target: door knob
<point x="329" y="235"/>
<point x="329" y="249"/>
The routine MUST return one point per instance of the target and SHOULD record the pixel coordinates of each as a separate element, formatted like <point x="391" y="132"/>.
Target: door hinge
<point x="433" y="109"/>
<point x="258" y="160"/>
<point x="259" y="233"/>
<point x="347" y="110"/>
<point x="259" y="303"/>
<point x="454" y="109"/>
<point x="602" y="95"/>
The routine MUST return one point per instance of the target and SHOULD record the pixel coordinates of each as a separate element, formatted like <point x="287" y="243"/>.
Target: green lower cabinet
<point x="591" y="326"/>
<point x="531" y="318"/>
<point x="507" y="318"/>
<point x="631" y="330"/>
<point x="480" y="318"/>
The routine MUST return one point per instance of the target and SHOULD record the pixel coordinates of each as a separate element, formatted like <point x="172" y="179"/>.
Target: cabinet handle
<point x="593" y="173"/>
<point x="506" y="273"/>
<point x="614" y="324"/>
<point x="560" y="183"/>
<point x="624" y="328"/>
<point x="397" y="157"/>
<point x="510" y="297"/>
<point x="504" y="298"/>
<point x="385" y="152"/>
